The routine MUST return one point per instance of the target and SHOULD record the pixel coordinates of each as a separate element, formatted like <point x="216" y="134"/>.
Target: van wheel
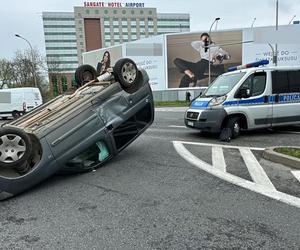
<point x="84" y="74"/>
<point x="231" y="130"/>
<point x="15" y="147"/>
<point x="16" y="114"/>
<point x="126" y="72"/>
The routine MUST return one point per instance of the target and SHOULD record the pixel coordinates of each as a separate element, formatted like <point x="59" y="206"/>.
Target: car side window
<point x="256" y="83"/>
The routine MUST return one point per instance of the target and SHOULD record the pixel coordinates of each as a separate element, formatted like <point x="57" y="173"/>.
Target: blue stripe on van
<point x="289" y="98"/>
<point x="199" y="104"/>
<point x="286" y="98"/>
<point x="259" y="100"/>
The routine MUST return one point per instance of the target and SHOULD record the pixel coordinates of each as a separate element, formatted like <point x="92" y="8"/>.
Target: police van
<point x="248" y="97"/>
<point x="17" y="101"/>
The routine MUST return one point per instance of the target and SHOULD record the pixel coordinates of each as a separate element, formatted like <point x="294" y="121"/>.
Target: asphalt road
<point x="150" y="197"/>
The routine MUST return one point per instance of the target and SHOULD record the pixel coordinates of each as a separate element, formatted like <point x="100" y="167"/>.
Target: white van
<point x="249" y="97"/>
<point x="17" y="101"/>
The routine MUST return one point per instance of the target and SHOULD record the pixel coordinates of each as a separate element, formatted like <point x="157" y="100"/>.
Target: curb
<point x="283" y="159"/>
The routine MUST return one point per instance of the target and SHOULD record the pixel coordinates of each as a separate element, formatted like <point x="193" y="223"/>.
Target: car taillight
<point x="24" y="106"/>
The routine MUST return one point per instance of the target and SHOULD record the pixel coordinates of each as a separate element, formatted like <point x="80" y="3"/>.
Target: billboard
<point x="179" y="61"/>
<point x="149" y="54"/>
<point x="97" y="57"/>
<point x="287" y="37"/>
<point x="188" y="57"/>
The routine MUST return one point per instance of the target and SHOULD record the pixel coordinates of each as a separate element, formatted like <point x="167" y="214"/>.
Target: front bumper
<point x="209" y="120"/>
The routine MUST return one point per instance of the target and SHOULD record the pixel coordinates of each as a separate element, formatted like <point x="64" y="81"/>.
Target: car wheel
<point x="85" y="73"/>
<point x="126" y="72"/>
<point x="16" y="114"/>
<point x="15" y="147"/>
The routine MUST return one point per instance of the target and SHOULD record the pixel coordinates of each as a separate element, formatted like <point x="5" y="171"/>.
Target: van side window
<point x="256" y="83"/>
<point x="294" y="81"/>
<point x="285" y="82"/>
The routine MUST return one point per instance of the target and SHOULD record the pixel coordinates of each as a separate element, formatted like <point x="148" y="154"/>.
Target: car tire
<point x="15" y="148"/>
<point x="126" y="73"/>
<point x="16" y="114"/>
<point x="84" y="74"/>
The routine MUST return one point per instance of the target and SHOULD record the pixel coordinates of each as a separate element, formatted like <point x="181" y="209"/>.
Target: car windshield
<point x="223" y="84"/>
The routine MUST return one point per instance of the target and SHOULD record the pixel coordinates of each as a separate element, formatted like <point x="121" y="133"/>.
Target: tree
<point x="6" y="72"/>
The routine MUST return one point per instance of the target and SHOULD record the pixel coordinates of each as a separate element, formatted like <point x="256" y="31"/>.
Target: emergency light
<point x="249" y="65"/>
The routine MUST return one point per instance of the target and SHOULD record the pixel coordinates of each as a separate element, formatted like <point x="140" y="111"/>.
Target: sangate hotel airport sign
<point x="114" y="4"/>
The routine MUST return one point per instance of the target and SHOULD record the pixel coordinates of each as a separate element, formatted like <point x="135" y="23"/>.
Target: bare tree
<point x="6" y="72"/>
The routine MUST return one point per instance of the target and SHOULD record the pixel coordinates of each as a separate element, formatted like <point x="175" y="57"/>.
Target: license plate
<point x="190" y="123"/>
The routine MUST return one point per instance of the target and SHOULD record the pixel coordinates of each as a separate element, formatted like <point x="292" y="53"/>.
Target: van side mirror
<point x="244" y="93"/>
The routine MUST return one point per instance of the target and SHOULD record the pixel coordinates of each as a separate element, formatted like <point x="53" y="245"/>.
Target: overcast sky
<point x="24" y="17"/>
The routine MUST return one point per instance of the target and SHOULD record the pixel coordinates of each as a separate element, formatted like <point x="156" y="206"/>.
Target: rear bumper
<point x="209" y="120"/>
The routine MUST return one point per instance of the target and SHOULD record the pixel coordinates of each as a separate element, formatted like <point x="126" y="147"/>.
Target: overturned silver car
<point x="77" y="132"/>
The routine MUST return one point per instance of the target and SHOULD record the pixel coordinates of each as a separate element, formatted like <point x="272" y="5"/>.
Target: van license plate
<point x="190" y="124"/>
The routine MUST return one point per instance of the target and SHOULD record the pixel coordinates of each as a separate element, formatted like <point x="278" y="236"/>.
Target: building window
<point x="123" y="12"/>
<point x="64" y="83"/>
<point x="74" y="84"/>
<point x="132" y="12"/>
<point x="96" y="11"/>
<point x="115" y="12"/>
<point x="106" y="12"/>
<point x="54" y="86"/>
<point x="87" y="11"/>
<point x="141" y="12"/>
<point x="150" y="12"/>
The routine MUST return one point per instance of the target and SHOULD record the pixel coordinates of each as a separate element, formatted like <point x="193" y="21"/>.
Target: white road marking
<point x="255" y="170"/>
<point x="289" y="132"/>
<point x="176" y="126"/>
<point x="296" y="174"/>
<point x="173" y="109"/>
<point x="221" y="145"/>
<point x="258" y="188"/>
<point x="218" y="160"/>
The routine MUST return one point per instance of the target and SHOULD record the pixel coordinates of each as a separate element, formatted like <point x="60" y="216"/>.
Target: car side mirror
<point x="244" y="93"/>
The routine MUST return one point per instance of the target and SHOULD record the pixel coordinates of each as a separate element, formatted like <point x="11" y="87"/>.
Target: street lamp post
<point x="275" y="58"/>
<point x="216" y="20"/>
<point x="254" y="19"/>
<point x="292" y="19"/>
<point x="32" y="58"/>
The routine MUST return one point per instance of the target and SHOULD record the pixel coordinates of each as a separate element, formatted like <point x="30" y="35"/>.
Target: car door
<point x="286" y="96"/>
<point x="256" y="106"/>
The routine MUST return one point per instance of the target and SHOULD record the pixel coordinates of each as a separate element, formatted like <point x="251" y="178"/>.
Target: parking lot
<point x="173" y="188"/>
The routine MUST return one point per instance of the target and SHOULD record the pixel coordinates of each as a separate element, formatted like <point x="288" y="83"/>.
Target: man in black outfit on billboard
<point x="195" y="71"/>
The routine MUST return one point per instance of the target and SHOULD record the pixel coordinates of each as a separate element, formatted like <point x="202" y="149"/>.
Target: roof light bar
<point x="249" y="65"/>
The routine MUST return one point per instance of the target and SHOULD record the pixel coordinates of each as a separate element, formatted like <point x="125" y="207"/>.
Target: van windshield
<point x="223" y="84"/>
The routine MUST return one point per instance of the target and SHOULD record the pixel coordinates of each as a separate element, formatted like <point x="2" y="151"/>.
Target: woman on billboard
<point x="195" y="71"/>
<point x="104" y="64"/>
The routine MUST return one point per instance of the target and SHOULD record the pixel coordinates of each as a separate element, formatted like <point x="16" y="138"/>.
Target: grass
<point x="295" y="152"/>
<point x="172" y="104"/>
